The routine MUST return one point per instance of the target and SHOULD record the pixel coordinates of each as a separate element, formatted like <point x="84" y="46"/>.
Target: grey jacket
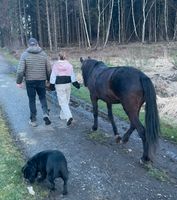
<point x="33" y="65"/>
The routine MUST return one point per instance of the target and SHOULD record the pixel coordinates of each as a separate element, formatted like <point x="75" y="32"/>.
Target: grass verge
<point x="12" y="186"/>
<point x="158" y="174"/>
<point x="97" y="136"/>
<point x="11" y="59"/>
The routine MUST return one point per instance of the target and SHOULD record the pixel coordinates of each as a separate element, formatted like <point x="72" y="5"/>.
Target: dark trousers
<point x="34" y="87"/>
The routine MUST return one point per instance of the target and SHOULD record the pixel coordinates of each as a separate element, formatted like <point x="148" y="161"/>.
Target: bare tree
<point x="119" y="20"/>
<point x="166" y="20"/>
<point x="145" y="15"/>
<point x="175" y="27"/>
<point x="133" y="18"/>
<point x="89" y="20"/>
<point x="109" y="23"/>
<point x="48" y="26"/>
<point x="155" y="22"/>
<point x="85" y="25"/>
<point x="62" y="22"/>
<point x="55" y="26"/>
<point x="67" y="23"/>
<point x="21" y="23"/>
<point x="98" y="24"/>
<point x="39" y="23"/>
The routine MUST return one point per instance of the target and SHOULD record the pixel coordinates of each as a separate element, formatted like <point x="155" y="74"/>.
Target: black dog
<point x="50" y="164"/>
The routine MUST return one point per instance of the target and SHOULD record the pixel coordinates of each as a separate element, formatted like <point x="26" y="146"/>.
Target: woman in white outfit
<point x="62" y="76"/>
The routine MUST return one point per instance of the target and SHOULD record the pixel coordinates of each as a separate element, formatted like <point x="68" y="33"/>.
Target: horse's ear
<point x="89" y="57"/>
<point x="81" y="59"/>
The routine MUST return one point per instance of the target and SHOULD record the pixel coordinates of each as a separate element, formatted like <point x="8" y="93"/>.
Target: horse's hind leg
<point x="134" y="109"/>
<point x="111" y="118"/>
<point x="141" y="131"/>
<point x="95" y="113"/>
<point x="126" y="136"/>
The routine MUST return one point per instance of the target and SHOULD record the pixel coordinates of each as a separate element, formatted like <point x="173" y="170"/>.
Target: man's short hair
<point x="32" y="42"/>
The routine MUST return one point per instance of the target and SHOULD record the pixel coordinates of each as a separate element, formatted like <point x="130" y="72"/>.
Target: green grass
<point x="159" y="174"/>
<point x="12" y="186"/>
<point x="11" y="59"/>
<point x="98" y="136"/>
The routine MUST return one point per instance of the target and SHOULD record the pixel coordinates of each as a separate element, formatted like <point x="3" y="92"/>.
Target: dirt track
<point x="99" y="168"/>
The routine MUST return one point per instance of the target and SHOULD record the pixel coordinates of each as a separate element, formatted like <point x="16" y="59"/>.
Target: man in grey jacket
<point x="36" y="69"/>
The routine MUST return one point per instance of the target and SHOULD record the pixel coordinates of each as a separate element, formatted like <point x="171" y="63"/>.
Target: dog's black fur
<point x="50" y="164"/>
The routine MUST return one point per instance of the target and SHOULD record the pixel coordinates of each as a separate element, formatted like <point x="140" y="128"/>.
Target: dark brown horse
<point x="131" y="88"/>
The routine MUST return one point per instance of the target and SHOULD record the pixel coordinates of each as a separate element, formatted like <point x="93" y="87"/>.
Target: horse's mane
<point x="87" y="68"/>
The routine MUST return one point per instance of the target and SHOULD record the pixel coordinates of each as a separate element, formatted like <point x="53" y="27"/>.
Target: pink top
<point x="62" y="68"/>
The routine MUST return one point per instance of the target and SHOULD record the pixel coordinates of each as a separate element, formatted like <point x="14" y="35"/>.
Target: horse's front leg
<point x="95" y="113"/>
<point x="111" y="118"/>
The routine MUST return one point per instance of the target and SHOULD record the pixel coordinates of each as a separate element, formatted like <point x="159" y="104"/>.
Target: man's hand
<point x="19" y="85"/>
<point x="52" y="87"/>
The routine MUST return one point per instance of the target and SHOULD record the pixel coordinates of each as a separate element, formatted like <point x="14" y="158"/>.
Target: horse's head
<point x="86" y="67"/>
<point x="82" y="60"/>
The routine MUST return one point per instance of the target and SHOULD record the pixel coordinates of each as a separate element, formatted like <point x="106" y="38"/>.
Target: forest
<point x="87" y="23"/>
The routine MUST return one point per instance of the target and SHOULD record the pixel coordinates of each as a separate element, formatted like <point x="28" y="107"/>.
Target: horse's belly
<point x="110" y="98"/>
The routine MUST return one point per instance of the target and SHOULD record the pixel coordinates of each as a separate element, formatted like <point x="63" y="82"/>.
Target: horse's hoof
<point x="65" y="192"/>
<point x="146" y="163"/>
<point x="142" y="161"/>
<point x="124" y="141"/>
<point x="118" y="139"/>
<point x="94" y="128"/>
<point x="52" y="189"/>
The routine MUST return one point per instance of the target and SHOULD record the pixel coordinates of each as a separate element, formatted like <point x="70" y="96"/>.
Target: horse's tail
<point x="151" y="113"/>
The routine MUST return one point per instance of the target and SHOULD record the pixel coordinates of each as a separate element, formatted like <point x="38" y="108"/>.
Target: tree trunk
<point x="175" y="28"/>
<point x="145" y="15"/>
<point x="25" y="17"/>
<point x="48" y="26"/>
<point x="39" y="24"/>
<point x="119" y="21"/>
<point x="109" y="23"/>
<point x="55" y="26"/>
<point x="133" y="18"/>
<point x="67" y="23"/>
<point x="21" y="24"/>
<point x="85" y="25"/>
<point x="98" y="24"/>
<point x="89" y="20"/>
<point x="144" y="21"/>
<point x="166" y="20"/>
<point x="155" y="22"/>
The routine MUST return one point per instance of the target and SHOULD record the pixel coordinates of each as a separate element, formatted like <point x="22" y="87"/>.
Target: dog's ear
<point x="23" y="168"/>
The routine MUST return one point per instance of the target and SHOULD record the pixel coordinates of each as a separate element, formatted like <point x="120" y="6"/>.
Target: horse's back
<point x="126" y="79"/>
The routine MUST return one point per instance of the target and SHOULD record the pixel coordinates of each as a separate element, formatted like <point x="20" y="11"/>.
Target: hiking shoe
<point x="47" y="120"/>
<point x="33" y="123"/>
<point x="69" y="121"/>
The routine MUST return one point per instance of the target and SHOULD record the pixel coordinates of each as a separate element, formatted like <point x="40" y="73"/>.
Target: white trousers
<point x="63" y="94"/>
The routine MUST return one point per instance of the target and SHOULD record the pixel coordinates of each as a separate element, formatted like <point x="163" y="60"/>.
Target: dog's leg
<point x="50" y="178"/>
<point x="43" y="176"/>
<point x="64" y="176"/>
<point x="65" y="190"/>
